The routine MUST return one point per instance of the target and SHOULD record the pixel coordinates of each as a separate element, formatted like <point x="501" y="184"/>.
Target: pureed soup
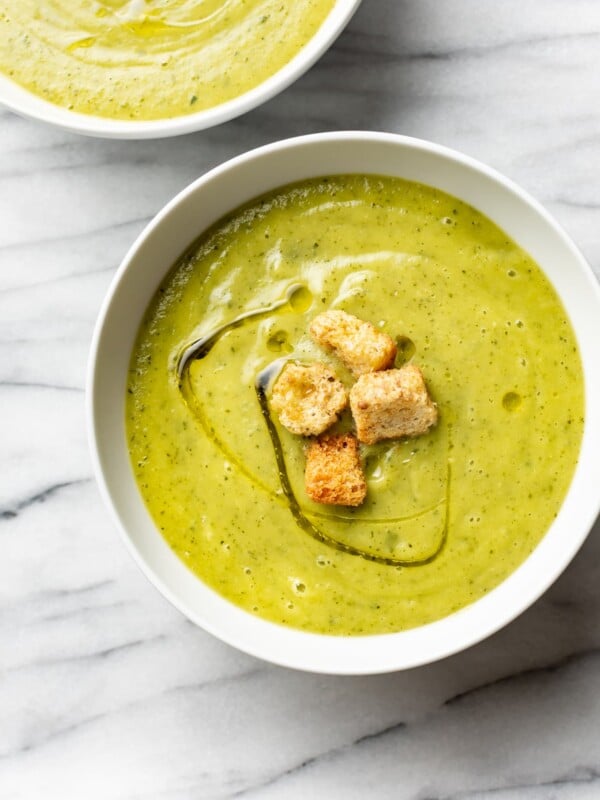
<point x="150" y="59"/>
<point x="449" y="514"/>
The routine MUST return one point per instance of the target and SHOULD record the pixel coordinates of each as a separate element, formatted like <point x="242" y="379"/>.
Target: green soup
<point x="151" y="59"/>
<point x="449" y="515"/>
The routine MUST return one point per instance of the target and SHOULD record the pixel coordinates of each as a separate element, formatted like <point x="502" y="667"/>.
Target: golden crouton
<point x="308" y="398"/>
<point x="391" y="404"/>
<point x="359" y="344"/>
<point x="333" y="472"/>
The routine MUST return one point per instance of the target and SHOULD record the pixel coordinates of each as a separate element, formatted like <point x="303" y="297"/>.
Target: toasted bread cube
<point x="333" y="472"/>
<point x="358" y="344"/>
<point x="308" y="398"/>
<point x="392" y="404"/>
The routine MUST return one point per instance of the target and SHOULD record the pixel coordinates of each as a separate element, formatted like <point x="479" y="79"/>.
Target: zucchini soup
<point x="447" y="514"/>
<point x="150" y="59"/>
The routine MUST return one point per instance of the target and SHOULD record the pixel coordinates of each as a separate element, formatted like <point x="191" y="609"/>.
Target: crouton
<point x="308" y="398"/>
<point x="358" y="344"/>
<point x="392" y="404"/>
<point x="333" y="472"/>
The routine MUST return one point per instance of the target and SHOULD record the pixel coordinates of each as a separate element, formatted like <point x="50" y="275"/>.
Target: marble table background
<point x="107" y="692"/>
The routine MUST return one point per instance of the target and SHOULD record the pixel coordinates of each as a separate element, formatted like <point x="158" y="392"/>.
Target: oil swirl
<point x="295" y="300"/>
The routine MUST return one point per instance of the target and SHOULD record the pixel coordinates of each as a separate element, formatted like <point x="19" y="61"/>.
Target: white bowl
<point x="24" y="102"/>
<point x="159" y="246"/>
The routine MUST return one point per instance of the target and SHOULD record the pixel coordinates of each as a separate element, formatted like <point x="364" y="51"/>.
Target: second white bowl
<point x="27" y="104"/>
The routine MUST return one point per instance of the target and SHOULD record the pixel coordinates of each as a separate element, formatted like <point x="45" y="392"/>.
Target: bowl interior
<point x="23" y="102"/>
<point x="154" y="253"/>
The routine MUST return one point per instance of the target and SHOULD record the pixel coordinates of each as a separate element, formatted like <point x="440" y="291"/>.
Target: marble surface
<point x="106" y="691"/>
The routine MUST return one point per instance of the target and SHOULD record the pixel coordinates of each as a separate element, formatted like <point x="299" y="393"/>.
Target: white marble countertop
<point x="106" y="691"/>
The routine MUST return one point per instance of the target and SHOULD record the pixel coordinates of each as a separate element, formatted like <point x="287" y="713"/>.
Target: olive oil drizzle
<point x="198" y="350"/>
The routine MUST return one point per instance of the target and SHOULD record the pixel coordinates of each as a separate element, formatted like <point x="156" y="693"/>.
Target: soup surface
<point x="448" y="515"/>
<point x="151" y="59"/>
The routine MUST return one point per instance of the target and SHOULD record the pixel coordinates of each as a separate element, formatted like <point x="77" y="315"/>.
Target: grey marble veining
<point x="108" y="693"/>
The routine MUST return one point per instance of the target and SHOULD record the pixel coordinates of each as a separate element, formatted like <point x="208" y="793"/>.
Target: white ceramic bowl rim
<point x="25" y="103"/>
<point x="287" y="646"/>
